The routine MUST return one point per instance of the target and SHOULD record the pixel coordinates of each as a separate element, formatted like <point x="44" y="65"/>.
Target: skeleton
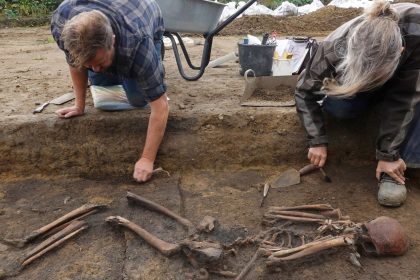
<point x="380" y="237"/>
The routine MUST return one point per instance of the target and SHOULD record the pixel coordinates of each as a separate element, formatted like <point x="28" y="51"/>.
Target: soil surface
<point x="219" y="154"/>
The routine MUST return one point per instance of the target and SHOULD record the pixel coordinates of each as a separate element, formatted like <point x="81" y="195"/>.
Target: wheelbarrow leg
<point x="204" y="60"/>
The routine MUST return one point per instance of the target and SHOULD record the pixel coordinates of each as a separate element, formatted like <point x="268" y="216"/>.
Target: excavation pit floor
<point x="231" y="196"/>
<point x="217" y="152"/>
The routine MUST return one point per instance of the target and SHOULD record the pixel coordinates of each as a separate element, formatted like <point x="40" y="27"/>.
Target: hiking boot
<point x="391" y="193"/>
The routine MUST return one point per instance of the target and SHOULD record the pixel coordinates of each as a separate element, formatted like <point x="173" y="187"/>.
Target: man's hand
<point x="318" y="155"/>
<point x="69" y="112"/>
<point x="143" y="170"/>
<point x="395" y="169"/>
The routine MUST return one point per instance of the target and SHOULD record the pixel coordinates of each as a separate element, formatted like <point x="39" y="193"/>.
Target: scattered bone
<point x="203" y="250"/>
<point x="75" y="225"/>
<point x="306" y="207"/>
<point x="160" y="170"/>
<point x="207" y="224"/>
<point x="84" y="210"/>
<point x="224" y="273"/>
<point x="150" y="205"/>
<point x="248" y="266"/>
<point x="354" y="259"/>
<point x="165" y="248"/>
<point x="54" y="241"/>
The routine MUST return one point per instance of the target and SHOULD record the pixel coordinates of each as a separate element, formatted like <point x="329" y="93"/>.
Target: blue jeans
<point x="133" y="92"/>
<point x="348" y="108"/>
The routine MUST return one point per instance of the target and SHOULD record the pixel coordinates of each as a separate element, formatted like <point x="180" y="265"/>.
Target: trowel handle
<point x="40" y="108"/>
<point x="246" y="75"/>
<point x="307" y="169"/>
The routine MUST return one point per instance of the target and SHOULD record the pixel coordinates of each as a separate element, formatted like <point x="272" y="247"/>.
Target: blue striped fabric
<point x="138" y="25"/>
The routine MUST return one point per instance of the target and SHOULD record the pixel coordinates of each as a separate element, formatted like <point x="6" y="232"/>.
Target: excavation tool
<point x="310" y="168"/>
<point x="265" y="192"/>
<point x="289" y="177"/>
<point x="56" y="101"/>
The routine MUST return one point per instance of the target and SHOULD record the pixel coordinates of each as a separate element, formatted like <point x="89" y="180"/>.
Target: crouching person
<point x="115" y="43"/>
<point x="374" y="58"/>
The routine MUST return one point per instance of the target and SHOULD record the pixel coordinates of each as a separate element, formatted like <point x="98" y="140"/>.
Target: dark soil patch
<point x="321" y="21"/>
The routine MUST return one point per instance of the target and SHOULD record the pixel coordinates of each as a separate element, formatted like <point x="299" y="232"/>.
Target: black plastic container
<point x="259" y="58"/>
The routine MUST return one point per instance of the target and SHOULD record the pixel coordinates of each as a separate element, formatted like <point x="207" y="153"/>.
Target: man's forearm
<point x="156" y="129"/>
<point x="79" y="79"/>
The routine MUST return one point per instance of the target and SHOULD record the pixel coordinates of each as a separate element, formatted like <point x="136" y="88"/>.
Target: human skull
<point x="385" y="237"/>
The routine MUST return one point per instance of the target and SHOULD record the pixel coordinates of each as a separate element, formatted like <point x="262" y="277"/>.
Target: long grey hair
<point x="373" y="51"/>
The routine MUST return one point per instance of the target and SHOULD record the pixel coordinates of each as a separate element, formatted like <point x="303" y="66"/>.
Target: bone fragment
<point x="332" y="214"/>
<point x="248" y="266"/>
<point x="280" y="252"/>
<point x="292" y="218"/>
<point x="305" y="207"/>
<point x="73" y="226"/>
<point x="336" y="242"/>
<point x="297" y="214"/>
<point x="204" y="250"/>
<point x="150" y="205"/>
<point x="84" y="209"/>
<point x="165" y="248"/>
<point x="224" y="273"/>
<point x="207" y="224"/>
<point x="52" y="246"/>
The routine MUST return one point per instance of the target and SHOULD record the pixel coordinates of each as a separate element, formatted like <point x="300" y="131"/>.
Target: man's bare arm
<point x="79" y="79"/>
<point x="155" y="131"/>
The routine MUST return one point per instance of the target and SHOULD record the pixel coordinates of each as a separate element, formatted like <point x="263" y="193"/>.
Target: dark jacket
<point x="401" y="92"/>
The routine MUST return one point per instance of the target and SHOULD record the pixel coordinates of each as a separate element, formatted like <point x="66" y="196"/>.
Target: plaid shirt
<point x="137" y="25"/>
<point x="401" y="92"/>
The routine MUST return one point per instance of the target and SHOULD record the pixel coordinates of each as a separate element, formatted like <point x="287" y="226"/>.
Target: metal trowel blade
<point x="63" y="98"/>
<point x="289" y="177"/>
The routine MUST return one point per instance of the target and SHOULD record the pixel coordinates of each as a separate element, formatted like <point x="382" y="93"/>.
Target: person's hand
<point x="69" y="112"/>
<point x="395" y="169"/>
<point x="318" y="155"/>
<point x="143" y="170"/>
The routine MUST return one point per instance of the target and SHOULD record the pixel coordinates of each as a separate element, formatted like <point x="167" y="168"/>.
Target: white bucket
<point x="282" y="67"/>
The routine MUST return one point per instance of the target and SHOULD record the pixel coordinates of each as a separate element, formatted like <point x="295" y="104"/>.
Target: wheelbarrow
<point x="194" y="16"/>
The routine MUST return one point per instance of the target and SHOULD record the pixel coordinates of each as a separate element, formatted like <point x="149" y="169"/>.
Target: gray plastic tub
<point x="190" y="16"/>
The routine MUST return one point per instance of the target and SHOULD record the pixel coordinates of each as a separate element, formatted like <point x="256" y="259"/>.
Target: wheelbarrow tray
<point x="252" y="84"/>
<point x="190" y="16"/>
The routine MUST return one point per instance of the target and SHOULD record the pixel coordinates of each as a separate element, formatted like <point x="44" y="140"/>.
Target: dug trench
<point x="218" y="155"/>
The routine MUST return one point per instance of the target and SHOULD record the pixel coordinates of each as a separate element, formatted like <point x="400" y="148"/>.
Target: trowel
<point x="289" y="177"/>
<point x="56" y="101"/>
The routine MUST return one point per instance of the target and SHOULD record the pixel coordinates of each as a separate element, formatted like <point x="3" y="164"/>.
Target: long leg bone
<point x="84" y="209"/>
<point x="73" y="226"/>
<point x="306" y="207"/>
<point x="167" y="249"/>
<point x="309" y="249"/>
<point x="41" y="251"/>
<point x="296" y="214"/>
<point x="150" y="205"/>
